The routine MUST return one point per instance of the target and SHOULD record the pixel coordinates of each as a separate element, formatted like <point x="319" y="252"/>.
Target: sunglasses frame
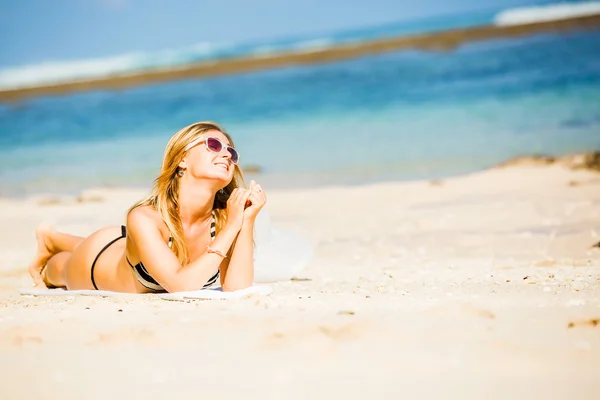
<point x="204" y="138"/>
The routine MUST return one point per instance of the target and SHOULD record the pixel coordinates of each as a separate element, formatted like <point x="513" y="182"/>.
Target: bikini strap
<point x="213" y="227"/>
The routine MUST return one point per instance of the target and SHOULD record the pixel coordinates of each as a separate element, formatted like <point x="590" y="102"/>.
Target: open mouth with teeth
<point x="225" y="166"/>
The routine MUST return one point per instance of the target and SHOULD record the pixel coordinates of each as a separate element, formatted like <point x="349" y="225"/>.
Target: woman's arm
<point x="161" y="262"/>
<point x="238" y="271"/>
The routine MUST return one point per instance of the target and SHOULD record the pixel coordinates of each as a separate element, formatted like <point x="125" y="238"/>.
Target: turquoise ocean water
<point x="397" y="116"/>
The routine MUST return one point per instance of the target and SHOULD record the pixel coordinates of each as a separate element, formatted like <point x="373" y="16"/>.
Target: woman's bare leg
<point x="54" y="273"/>
<point x="51" y="243"/>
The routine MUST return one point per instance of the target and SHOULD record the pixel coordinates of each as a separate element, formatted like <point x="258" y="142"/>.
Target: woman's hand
<point x="256" y="201"/>
<point x="235" y="208"/>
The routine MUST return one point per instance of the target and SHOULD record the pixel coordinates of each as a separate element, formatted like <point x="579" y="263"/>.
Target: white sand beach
<point x="479" y="286"/>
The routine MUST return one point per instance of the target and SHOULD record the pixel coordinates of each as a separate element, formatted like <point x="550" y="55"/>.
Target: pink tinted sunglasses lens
<point x="216" y="146"/>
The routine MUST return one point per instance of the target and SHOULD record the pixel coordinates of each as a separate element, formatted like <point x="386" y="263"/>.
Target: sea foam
<point x="54" y="72"/>
<point x="57" y="72"/>
<point x="528" y="15"/>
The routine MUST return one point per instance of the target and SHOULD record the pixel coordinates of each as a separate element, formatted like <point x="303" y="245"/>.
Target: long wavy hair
<point x="164" y="197"/>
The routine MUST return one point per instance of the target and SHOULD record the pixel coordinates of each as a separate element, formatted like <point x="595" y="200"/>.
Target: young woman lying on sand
<point x="196" y="226"/>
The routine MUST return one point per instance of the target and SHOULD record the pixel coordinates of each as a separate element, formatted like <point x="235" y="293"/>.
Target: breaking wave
<point x="527" y="15"/>
<point x="56" y="72"/>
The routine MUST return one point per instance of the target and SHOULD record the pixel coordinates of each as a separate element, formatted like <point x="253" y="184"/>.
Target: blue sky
<point x="34" y="31"/>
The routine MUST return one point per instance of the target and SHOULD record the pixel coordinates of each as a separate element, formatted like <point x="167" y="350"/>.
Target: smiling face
<point x="202" y="163"/>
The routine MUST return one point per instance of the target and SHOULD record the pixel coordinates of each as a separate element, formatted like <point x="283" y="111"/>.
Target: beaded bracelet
<point x="211" y="250"/>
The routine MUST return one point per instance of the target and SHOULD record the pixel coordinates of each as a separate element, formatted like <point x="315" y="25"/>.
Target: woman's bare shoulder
<point x="143" y="217"/>
<point x="144" y="213"/>
<point x="145" y="229"/>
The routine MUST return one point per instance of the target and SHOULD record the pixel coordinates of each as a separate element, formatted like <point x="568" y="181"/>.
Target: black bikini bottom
<point x="123" y="235"/>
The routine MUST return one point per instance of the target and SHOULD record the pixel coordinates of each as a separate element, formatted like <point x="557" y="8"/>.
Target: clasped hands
<point x="244" y="205"/>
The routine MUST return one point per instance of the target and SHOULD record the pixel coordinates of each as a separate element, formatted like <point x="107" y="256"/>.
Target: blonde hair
<point x="164" y="197"/>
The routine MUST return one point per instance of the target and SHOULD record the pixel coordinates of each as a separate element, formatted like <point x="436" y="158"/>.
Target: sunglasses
<point x="215" y="145"/>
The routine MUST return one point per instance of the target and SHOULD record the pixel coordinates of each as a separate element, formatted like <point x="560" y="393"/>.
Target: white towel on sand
<point x="218" y="294"/>
<point x="206" y="294"/>
<point x="280" y="254"/>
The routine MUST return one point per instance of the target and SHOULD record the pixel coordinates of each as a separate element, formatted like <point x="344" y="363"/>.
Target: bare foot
<point x="44" y="252"/>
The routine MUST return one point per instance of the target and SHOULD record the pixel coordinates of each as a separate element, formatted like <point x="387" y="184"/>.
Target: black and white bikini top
<point x="148" y="281"/>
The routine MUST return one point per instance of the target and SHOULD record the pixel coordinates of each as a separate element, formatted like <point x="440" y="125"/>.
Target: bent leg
<point x="60" y="242"/>
<point x="68" y="259"/>
<point x="54" y="275"/>
<point x="50" y="243"/>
